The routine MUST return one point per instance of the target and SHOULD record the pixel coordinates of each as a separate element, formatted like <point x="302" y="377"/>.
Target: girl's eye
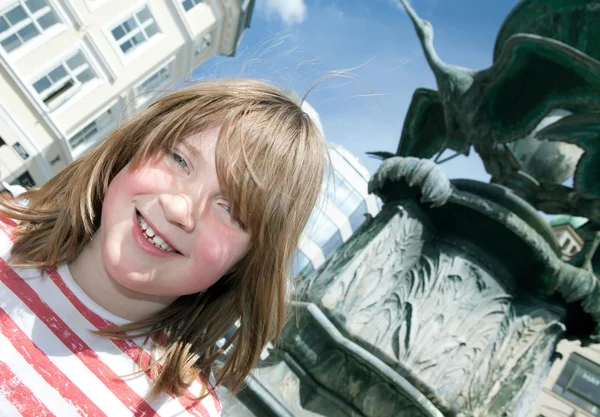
<point x="237" y="221"/>
<point x="179" y="160"/>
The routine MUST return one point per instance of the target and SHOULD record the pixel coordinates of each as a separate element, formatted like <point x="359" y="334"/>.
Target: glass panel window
<point x="300" y="262"/>
<point x="86" y="76"/>
<point x="334" y="242"/>
<point x="152" y="30"/>
<point x="579" y="383"/>
<point x="144" y="15"/>
<point x="11" y="43"/>
<point x="42" y="84"/>
<point x="118" y="32"/>
<point x="93" y="132"/>
<point x="323" y="232"/>
<point x="24" y="22"/>
<point x="76" y="61"/>
<point x="190" y="4"/>
<point x="203" y="44"/>
<point x="343" y="195"/>
<point x="64" y="80"/>
<point x="47" y="20"/>
<point x="126" y="46"/>
<point x="3" y="24"/>
<point x="58" y="73"/>
<point x="24" y="180"/>
<point x="153" y="84"/>
<point x="35" y="5"/>
<point x="135" y="30"/>
<point x="28" y="32"/>
<point x="16" y="15"/>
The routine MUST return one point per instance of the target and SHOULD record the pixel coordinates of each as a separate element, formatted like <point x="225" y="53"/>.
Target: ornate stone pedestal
<point x="448" y="311"/>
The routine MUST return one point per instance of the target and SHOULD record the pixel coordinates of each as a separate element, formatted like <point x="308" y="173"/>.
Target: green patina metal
<point x="574" y="22"/>
<point x="545" y="60"/>
<point x="451" y="301"/>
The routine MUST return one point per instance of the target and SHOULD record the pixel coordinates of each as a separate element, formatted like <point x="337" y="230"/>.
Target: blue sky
<point x="293" y="43"/>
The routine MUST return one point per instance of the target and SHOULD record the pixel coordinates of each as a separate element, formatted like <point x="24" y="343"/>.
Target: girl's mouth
<point x="152" y="237"/>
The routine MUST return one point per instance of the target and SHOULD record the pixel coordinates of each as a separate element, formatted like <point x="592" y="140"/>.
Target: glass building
<point x="343" y="206"/>
<point x="342" y="209"/>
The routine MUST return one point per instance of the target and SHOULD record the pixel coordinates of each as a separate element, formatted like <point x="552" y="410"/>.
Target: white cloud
<point x="290" y="11"/>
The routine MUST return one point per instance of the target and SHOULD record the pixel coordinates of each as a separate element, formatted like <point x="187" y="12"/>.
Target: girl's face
<point x="166" y="228"/>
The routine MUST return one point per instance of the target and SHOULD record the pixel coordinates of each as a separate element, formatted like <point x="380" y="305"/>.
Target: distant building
<point x="344" y="205"/>
<point x="573" y="385"/>
<point x="572" y="388"/>
<point x="72" y="70"/>
<point x="564" y="228"/>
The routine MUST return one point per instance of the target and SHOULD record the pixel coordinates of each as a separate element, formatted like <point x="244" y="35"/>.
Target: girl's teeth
<point x="151" y="236"/>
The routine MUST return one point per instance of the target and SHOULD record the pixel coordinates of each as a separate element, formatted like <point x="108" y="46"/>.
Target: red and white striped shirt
<point x="52" y="365"/>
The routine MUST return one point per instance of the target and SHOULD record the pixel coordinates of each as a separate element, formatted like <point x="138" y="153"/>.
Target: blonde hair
<point x="269" y="161"/>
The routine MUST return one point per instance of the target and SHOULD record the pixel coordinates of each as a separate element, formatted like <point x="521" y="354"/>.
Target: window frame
<point x="570" y="370"/>
<point x="122" y="18"/>
<point x="318" y="223"/>
<point x="81" y="88"/>
<point x="357" y="218"/>
<point x="142" y="97"/>
<point x="301" y="261"/>
<point x="352" y="194"/>
<point x="195" y="3"/>
<point x="75" y="152"/>
<point x="44" y="35"/>
<point x="198" y="43"/>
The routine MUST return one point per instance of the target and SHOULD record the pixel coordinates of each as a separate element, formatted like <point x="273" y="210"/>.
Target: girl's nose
<point x="177" y="209"/>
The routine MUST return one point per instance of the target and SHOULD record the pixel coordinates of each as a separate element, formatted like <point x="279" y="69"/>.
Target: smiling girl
<point x="121" y="273"/>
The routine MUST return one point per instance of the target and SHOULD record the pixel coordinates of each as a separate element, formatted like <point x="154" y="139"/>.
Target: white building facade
<point x="73" y="70"/>
<point x="572" y="388"/>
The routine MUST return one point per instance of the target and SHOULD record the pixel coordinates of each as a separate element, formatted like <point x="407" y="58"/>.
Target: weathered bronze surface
<point x="545" y="60"/>
<point x="452" y="300"/>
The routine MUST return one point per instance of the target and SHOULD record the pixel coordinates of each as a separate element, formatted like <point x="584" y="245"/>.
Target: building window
<point x="24" y="180"/>
<point x="323" y="232"/>
<point x="345" y="197"/>
<point x="157" y="81"/>
<point x="334" y="242"/>
<point x="64" y="80"/>
<point x="26" y="20"/>
<point x="579" y="383"/>
<point x="190" y="4"/>
<point x="203" y="44"/>
<point x="135" y="30"/>
<point x="301" y="264"/>
<point x="92" y="133"/>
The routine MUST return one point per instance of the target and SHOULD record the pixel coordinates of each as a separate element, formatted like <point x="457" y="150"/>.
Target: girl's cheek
<point x="213" y="255"/>
<point x="217" y="246"/>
